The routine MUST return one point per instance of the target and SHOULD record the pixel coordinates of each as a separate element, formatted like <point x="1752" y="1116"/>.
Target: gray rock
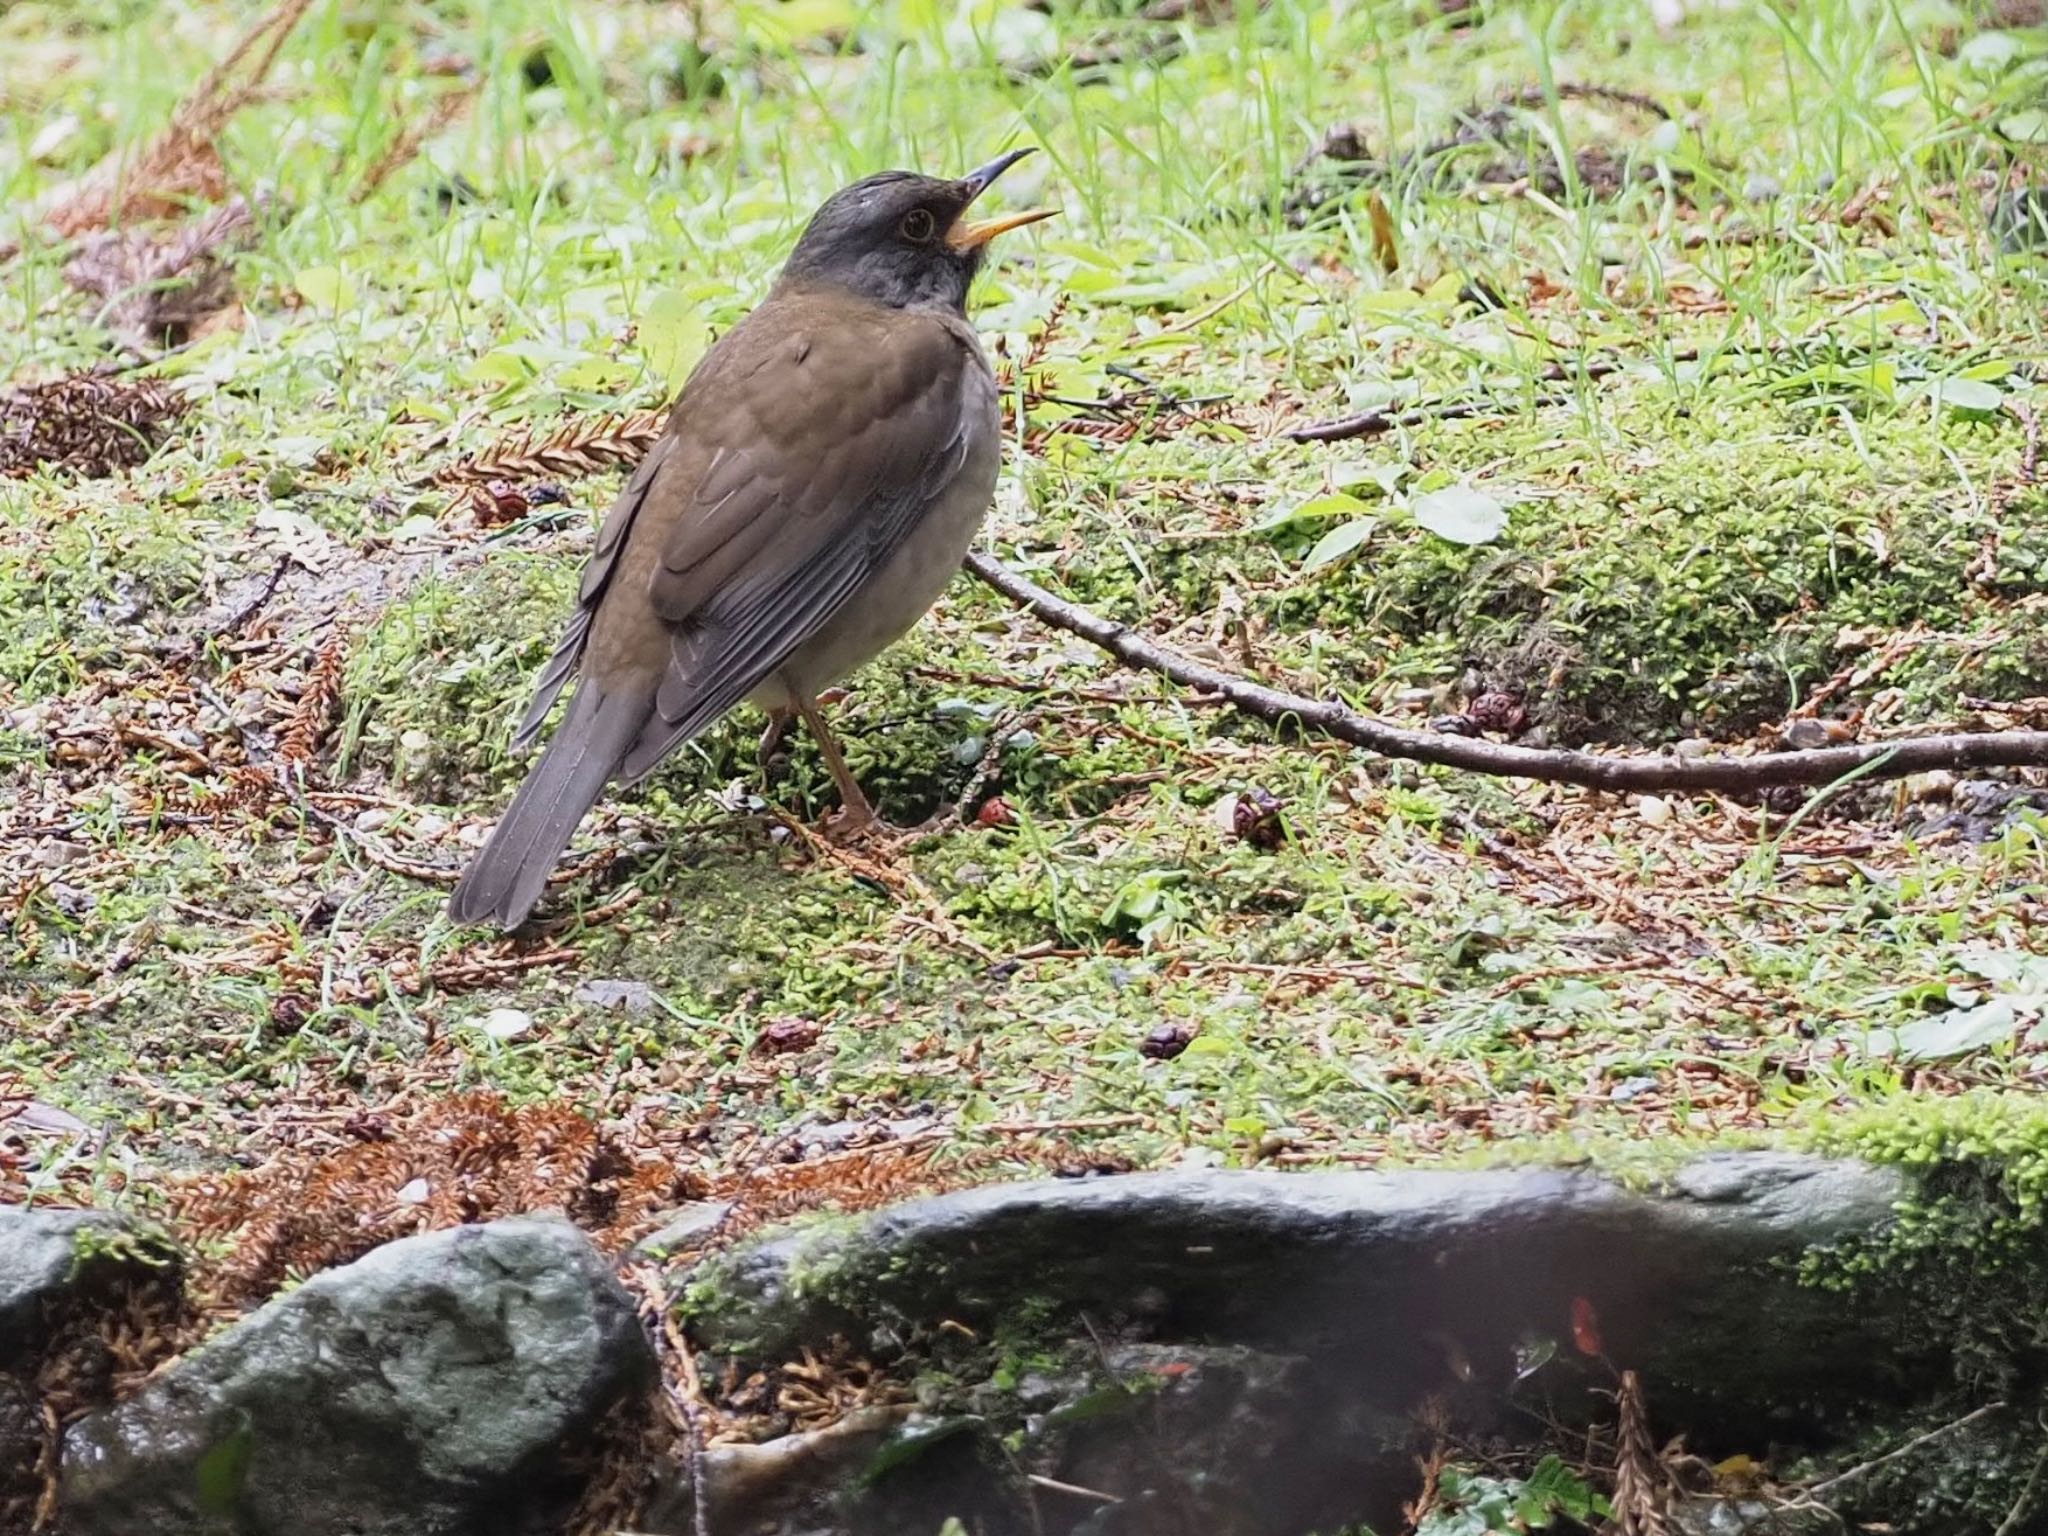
<point x="632" y="998"/>
<point x="684" y="1227"/>
<point x="50" y="1260"/>
<point x="1246" y="1354"/>
<point x="1209" y="1428"/>
<point x="1393" y="1273"/>
<point x="444" y="1385"/>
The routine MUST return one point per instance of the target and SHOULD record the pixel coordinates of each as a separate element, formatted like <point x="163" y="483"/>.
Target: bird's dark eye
<point x="918" y="225"/>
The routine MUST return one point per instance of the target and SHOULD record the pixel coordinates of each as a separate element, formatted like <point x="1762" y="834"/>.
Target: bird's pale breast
<point x="901" y="593"/>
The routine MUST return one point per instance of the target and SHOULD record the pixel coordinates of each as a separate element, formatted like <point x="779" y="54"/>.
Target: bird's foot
<point x="865" y="831"/>
<point x="849" y="825"/>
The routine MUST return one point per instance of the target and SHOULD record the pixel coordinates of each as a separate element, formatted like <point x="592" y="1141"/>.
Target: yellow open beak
<point x="966" y="237"/>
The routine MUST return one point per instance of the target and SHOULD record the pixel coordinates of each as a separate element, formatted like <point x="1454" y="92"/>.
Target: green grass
<point x="1431" y="965"/>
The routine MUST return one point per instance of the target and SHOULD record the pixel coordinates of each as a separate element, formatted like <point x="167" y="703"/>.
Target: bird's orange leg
<point x="856" y="815"/>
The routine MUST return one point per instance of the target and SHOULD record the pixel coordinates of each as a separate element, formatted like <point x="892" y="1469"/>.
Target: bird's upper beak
<point x="967" y="235"/>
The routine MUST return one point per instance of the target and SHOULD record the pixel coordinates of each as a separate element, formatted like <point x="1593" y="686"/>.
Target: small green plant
<point x="1551" y="1498"/>
<point x="92" y="1245"/>
<point x="1437" y="502"/>
<point x="1149" y="907"/>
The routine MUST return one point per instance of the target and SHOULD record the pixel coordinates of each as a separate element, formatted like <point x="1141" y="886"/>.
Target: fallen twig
<point x="1641" y="1483"/>
<point x="1385" y="418"/>
<point x="684" y="1393"/>
<point x="405" y="148"/>
<point x="232" y="624"/>
<point x="1910" y="1446"/>
<point x="1037" y="1480"/>
<point x="1592" y="770"/>
<point x="2020" y="1516"/>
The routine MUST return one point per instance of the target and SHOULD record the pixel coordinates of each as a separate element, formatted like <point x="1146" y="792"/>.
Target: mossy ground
<point x="1768" y="498"/>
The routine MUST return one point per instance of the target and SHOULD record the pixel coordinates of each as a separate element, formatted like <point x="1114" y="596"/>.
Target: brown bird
<point x="817" y="484"/>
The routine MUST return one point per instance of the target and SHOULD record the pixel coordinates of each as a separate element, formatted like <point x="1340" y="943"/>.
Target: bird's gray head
<point x="903" y="239"/>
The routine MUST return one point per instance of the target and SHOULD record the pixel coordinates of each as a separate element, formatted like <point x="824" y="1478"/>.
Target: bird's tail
<point x="505" y="880"/>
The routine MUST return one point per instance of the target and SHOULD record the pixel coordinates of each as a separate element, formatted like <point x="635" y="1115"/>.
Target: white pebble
<point x="507" y="1023"/>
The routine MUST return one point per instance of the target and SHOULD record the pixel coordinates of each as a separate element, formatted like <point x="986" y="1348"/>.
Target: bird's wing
<point x="819" y="460"/>
<point x="597" y="575"/>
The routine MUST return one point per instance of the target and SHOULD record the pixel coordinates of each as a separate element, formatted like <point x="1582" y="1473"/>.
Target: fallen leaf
<point x="48" y="1119"/>
<point x="1586" y="1328"/>
<point x="1461" y="514"/>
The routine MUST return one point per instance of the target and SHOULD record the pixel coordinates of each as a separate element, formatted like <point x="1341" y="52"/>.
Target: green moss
<point x="1996" y="1143"/>
<point x="1967" y="1261"/>
<point x="1743" y="568"/>
<point x="74" y="587"/>
<point x="123" y="1247"/>
<point x="1640" y="1165"/>
<point x="434" y="688"/>
<point x="718" y="1302"/>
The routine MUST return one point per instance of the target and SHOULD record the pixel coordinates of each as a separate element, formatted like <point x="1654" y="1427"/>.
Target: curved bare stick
<point x="1642" y="774"/>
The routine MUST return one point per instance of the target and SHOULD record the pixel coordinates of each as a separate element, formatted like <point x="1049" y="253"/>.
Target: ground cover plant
<point x="1686" y="362"/>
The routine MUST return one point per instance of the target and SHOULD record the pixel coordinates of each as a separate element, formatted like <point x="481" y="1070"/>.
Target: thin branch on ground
<point x="1907" y="1449"/>
<point x="688" y="1395"/>
<point x="232" y="625"/>
<point x="1038" y="1480"/>
<point x="2020" y="1517"/>
<point x="1385" y="419"/>
<point x="1590" y="770"/>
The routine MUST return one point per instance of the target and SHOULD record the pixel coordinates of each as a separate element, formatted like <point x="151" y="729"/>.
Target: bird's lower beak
<point x="967" y="235"/>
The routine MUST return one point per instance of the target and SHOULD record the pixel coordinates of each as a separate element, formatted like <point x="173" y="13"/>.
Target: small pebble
<point x="507" y="1023"/>
<point x="682" y="1227"/>
<point x="1805" y="734"/>
<point x="1935" y="784"/>
<point x="1166" y="1042"/>
<point x="780" y="1037"/>
<point x="628" y="997"/>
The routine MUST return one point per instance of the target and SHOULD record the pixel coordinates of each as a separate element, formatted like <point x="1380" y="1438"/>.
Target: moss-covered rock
<point x="1815" y="1314"/>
